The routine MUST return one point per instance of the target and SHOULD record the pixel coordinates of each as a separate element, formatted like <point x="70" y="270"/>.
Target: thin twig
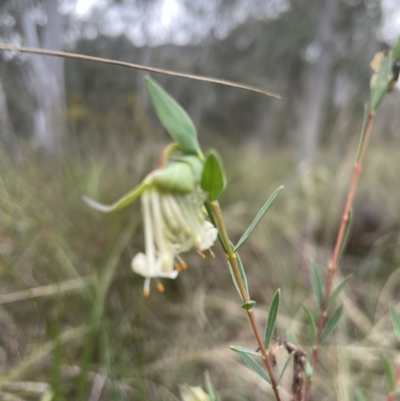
<point x="231" y="256"/>
<point x="339" y="243"/>
<point x="76" y="56"/>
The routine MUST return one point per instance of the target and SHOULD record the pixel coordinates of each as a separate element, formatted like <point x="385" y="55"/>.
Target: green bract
<point x="213" y="180"/>
<point x="176" y="177"/>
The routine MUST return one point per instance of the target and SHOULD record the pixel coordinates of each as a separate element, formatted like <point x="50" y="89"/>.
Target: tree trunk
<point x="316" y="83"/>
<point x="46" y="80"/>
<point x="7" y="135"/>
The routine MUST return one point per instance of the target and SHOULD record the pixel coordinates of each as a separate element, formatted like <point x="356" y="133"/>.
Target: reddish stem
<point x="339" y="244"/>
<point x="264" y="353"/>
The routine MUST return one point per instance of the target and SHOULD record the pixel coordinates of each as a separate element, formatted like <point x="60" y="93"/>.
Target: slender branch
<point x="231" y="256"/>
<point x="339" y="242"/>
<point x="77" y="56"/>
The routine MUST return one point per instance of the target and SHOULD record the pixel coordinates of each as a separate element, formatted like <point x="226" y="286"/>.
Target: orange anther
<point x="146" y="292"/>
<point x="183" y="265"/>
<point x="212" y="254"/>
<point x="160" y="287"/>
<point x="178" y="267"/>
<point x="202" y="255"/>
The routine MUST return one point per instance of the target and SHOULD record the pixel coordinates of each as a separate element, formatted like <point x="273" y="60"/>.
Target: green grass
<point x="106" y="332"/>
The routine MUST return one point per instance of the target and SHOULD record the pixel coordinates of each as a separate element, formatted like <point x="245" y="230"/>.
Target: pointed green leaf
<point x="242" y="275"/>
<point x="245" y="350"/>
<point x="380" y="87"/>
<point x="359" y="395"/>
<point x="337" y="291"/>
<point x="249" y="305"/>
<point x="173" y="118"/>
<point x="308" y="370"/>
<point x="210" y="388"/>
<point x="292" y="338"/>
<point x="396" y="50"/>
<point x="258" y="218"/>
<point x="254" y="366"/>
<point x="213" y="180"/>
<point x="271" y="321"/>
<point x="119" y="204"/>
<point x="289" y="358"/>
<point x="349" y="224"/>
<point x="317" y="284"/>
<point x="389" y="374"/>
<point x="311" y="323"/>
<point x="395" y="321"/>
<point x="332" y="323"/>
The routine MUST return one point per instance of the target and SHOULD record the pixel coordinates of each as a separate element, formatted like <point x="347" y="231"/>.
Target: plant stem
<point x="392" y="395"/>
<point x="339" y="242"/>
<point x="231" y="256"/>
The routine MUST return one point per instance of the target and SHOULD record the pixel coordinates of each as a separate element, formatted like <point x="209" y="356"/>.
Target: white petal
<point x="140" y="265"/>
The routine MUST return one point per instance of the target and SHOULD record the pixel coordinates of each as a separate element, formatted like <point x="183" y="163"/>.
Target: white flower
<point x="173" y="223"/>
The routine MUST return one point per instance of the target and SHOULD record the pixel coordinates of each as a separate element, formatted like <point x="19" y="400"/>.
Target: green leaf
<point x="271" y="321"/>
<point x="213" y="180"/>
<point x="242" y="275"/>
<point x="317" y="284"/>
<point x="289" y="358"/>
<point x="311" y="323"/>
<point x="380" y="87"/>
<point x="210" y="388"/>
<point x="359" y="395"/>
<point x="258" y="218"/>
<point x="396" y="50"/>
<point x="249" y="305"/>
<point x="332" y="323"/>
<point x="173" y="118"/>
<point x="349" y="224"/>
<point x="337" y="291"/>
<point x="254" y="366"/>
<point x="119" y="204"/>
<point x="292" y="338"/>
<point x="389" y="374"/>
<point x="245" y="350"/>
<point x="308" y="370"/>
<point x="395" y="321"/>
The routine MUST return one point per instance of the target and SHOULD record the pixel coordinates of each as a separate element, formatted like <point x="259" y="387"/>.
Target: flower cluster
<point x="173" y="223"/>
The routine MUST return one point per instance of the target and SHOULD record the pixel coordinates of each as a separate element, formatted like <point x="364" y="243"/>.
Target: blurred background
<point x="72" y="317"/>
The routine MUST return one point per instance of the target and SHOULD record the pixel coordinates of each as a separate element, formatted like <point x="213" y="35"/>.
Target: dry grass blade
<point x="47" y="290"/>
<point x="76" y="56"/>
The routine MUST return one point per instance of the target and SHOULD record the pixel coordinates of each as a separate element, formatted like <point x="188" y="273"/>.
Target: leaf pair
<point x="318" y="293"/>
<point x="329" y="327"/>
<point x="247" y="354"/>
